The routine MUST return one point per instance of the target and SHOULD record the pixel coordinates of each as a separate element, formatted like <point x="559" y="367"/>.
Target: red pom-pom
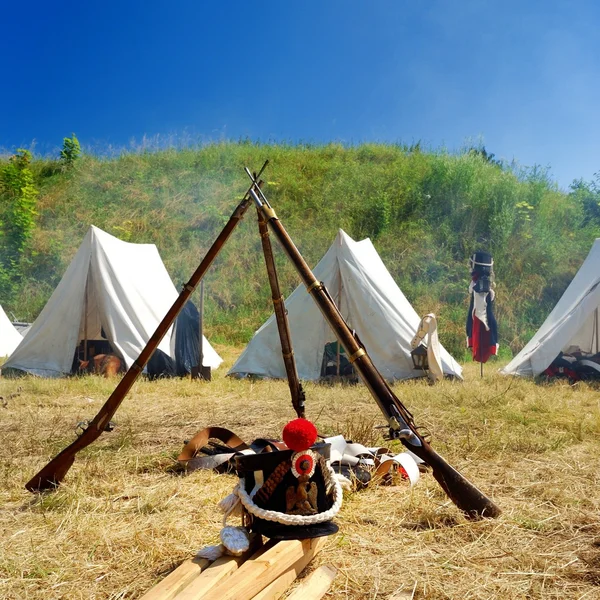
<point x="299" y="434"/>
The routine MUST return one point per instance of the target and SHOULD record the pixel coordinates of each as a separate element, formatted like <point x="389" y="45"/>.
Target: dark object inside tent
<point x="575" y="366"/>
<point x="335" y="363"/>
<point x="187" y="339"/>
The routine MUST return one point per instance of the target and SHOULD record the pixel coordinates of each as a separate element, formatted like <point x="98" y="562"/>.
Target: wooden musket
<point x="401" y="424"/>
<point x="54" y="472"/>
<point x="296" y="391"/>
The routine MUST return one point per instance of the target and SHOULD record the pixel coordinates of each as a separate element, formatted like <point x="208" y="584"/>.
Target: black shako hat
<point x="290" y="494"/>
<point x="482" y="263"/>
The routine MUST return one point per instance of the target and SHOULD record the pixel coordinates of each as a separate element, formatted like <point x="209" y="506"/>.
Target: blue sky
<point x="520" y="76"/>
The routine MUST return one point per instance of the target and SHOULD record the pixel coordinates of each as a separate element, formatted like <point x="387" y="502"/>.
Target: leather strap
<point x="228" y="438"/>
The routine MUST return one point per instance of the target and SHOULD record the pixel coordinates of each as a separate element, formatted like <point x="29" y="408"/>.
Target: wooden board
<point x="221" y="569"/>
<point x="260" y="574"/>
<point x="259" y="571"/>
<point x="315" y="586"/>
<point x="277" y="588"/>
<point x="177" y="580"/>
<point x="218" y="571"/>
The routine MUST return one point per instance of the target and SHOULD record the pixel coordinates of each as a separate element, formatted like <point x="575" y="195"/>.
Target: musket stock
<point x="54" y="472"/>
<point x="463" y="493"/>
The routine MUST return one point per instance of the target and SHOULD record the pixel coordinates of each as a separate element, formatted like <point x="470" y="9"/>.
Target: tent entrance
<point x="86" y="350"/>
<point x="92" y="332"/>
<point x="335" y="365"/>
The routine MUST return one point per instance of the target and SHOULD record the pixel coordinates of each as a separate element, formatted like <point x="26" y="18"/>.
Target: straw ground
<point x="124" y="516"/>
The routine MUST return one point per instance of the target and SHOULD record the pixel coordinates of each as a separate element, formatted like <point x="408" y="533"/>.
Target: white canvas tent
<point x="369" y="300"/>
<point x="10" y="338"/>
<point x="572" y="323"/>
<point x="111" y="287"/>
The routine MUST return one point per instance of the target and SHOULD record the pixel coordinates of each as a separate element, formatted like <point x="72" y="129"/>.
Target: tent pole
<point x="200" y="327"/>
<point x="340" y="305"/>
<point x="204" y="372"/>
<point x="480" y="346"/>
<point x="596" y="319"/>
<point x="199" y="371"/>
<point x="85" y="319"/>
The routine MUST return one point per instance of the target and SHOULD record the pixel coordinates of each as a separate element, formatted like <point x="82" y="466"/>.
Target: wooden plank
<point x="315" y="586"/>
<point x="175" y="581"/>
<point x="221" y="569"/>
<point x="277" y="588"/>
<point x="259" y="571"/>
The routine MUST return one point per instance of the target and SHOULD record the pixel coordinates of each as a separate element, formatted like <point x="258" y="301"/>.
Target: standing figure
<point x="482" y="329"/>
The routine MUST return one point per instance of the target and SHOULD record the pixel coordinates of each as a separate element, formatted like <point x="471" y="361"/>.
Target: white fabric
<point x="428" y="327"/>
<point x="348" y="454"/>
<point x="128" y="293"/>
<point x="10" y="338"/>
<point x="259" y="479"/>
<point x="369" y="300"/>
<point x="354" y="454"/>
<point x="572" y="322"/>
<point x="407" y="462"/>
<point x="480" y="308"/>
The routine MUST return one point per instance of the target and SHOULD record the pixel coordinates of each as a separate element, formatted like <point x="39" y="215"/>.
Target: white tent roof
<point x="10" y="338"/>
<point x="128" y="293"/>
<point x="369" y="300"/>
<point x="572" y="322"/>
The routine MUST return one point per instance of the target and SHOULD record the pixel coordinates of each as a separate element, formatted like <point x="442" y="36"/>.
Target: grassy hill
<point x="426" y="212"/>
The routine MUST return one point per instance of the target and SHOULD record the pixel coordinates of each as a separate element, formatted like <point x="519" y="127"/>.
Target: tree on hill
<point x="18" y="199"/>
<point x="71" y="151"/>
<point x="587" y="194"/>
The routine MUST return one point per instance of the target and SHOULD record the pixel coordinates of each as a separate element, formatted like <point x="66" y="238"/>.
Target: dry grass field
<point x="124" y="517"/>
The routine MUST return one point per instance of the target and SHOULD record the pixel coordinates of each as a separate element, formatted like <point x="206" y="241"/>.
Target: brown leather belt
<point x="189" y="455"/>
<point x="228" y="438"/>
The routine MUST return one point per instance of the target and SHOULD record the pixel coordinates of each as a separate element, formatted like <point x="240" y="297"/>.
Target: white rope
<point x="272" y="515"/>
<point x="344" y="482"/>
<point x="231" y="508"/>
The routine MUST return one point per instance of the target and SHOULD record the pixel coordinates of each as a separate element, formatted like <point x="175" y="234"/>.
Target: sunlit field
<point x="125" y="516"/>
